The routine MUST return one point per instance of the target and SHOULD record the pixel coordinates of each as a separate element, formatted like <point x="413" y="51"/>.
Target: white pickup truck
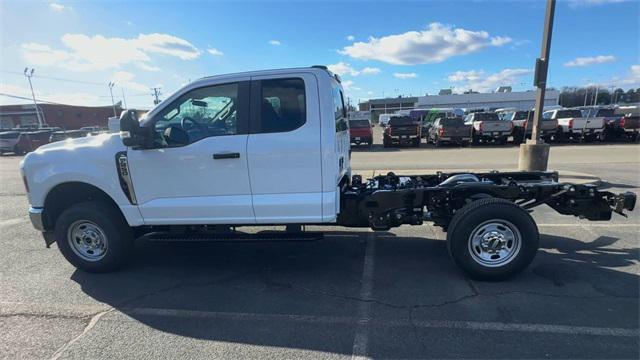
<point x="572" y="125"/>
<point x="272" y="148"/>
<point x="487" y="127"/>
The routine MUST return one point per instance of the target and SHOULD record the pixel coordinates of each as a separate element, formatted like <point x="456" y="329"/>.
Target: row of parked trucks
<point x="440" y="126"/>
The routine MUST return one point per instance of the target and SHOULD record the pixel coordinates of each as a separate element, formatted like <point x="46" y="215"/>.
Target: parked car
<point x="383" y="119"/>
<point x="402" y="130"/>
<point x="8" y="141"/>
<point x="360" y="132"/>
<point x="523" y="125"/>
<point x="573" y="126"/>
<point x="487" y="127"/>
<point x="167" y="178"/>
<point x="630" y="123"/>
<point x="70" y="134"/>
<point x="450" y="131"/>
<point x="432" y="114"/>
<point x="29" y="141"/>
<point x="612" y="129"/>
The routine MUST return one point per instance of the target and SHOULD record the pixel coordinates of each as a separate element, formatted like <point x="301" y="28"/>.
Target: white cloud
<point x="215" y="52"/>
<point x="371" y="71"/>
<point x="125" y="79"/>
<point x="471" y="75"/>
<point x="350" y="37"/>
<point x="275" y="42"/>
<point x="435" y="44"/>
<point x="590" y="60"/>
<point x="56" y="7"/>
<point x="147" y="67"/>
<point x="633" y="78"/>
<point x="405" y="75"/>
<point x="347" y="85"/>
<point x="585" y="3"/>
<point x="343" y="69"/>
<point x="483" y="82"/>
<point x="86" y="53"/>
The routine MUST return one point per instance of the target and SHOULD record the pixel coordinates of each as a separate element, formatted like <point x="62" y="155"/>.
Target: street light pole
<point x="534" y="154"/>
<point x="113" y="104"/>
<point x="29" y="74"/>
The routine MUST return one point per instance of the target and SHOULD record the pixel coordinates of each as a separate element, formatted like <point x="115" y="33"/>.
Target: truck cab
<point x="212" y="153"/>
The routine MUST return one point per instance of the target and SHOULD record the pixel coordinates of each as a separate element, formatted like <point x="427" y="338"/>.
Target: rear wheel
<point x="492" y="239"/>
<point x="416" y="142"/>
<point x="93" y="236"/>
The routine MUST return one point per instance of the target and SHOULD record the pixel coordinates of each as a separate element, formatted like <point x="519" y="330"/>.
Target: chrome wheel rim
<point x="494" y="243"/>
<point x="87" y="240"/>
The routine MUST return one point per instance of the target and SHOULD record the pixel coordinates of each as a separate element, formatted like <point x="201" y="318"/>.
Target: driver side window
<point x="198" y="114"/>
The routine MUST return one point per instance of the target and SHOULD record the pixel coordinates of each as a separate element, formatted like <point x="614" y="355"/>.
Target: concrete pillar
<point x="534" y="156"/>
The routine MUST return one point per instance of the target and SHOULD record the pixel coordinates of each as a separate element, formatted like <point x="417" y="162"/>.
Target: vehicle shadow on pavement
<point x="306" y="295"/>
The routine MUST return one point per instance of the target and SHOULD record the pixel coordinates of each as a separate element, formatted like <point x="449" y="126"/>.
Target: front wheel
<point x="93" y="236"/>
<point x="492" y="239"/>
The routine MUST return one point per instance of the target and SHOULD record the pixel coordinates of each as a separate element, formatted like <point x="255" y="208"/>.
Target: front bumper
<point x="35" y="215"/>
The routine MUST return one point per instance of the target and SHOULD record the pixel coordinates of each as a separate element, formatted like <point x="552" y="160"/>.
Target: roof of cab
<point x="315" y="69"/>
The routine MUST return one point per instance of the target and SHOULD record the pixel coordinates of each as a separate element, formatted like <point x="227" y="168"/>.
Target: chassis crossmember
<point x="391" y="200"/>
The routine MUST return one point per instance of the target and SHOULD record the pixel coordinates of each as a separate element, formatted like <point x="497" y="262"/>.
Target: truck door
<point x="200" y="176"/>
<point x="284" y="149"/>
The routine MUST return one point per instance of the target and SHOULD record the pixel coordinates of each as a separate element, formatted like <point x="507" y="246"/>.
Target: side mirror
<point x="130" y="131"/>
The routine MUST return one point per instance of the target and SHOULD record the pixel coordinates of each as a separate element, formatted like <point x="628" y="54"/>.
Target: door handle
<point x="226" y="156"/>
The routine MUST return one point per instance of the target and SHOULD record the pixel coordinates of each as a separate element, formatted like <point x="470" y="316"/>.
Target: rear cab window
<point x="353" y="124"/>
<point x="339" y="109"/>
<point x="283" y="105"/>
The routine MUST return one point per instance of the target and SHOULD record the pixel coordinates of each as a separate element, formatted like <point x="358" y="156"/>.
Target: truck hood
<point x="105" y="142"/>
<point x="88" y="149"/>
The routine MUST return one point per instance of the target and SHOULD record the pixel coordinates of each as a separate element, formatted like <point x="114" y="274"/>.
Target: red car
<point x="29" y="141"/>
<point x="361" y="132"/>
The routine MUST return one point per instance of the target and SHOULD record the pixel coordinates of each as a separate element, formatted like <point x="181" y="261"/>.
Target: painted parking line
<point x="361" y="337"/>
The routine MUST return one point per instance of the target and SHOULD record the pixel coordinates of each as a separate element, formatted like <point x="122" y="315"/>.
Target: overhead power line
<point x="27" y="98"/>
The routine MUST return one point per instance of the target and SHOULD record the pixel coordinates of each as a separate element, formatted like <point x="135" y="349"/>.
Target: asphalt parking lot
<point x="353" y="294"/>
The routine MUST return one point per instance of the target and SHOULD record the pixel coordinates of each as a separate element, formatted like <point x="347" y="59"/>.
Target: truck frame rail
<point x="391" y="200"/>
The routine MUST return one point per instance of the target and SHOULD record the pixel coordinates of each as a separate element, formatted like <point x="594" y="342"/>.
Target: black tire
<point x="109" y="220"/>
<point x="475" y="140"/>
<point x="467" y="221"/>
<point x="17" y="150"/>
<point x="464" y="143"/>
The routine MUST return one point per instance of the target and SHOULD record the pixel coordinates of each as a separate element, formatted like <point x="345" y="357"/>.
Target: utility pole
<point x="534" y="154"/>
<point x="29" y="73"/>
<point x="124" y="100"/>
<point x="586" y="91"/>
<point x="113" y="104"/>
<point x="156" y="94"/>
<point x="595" y="100"/>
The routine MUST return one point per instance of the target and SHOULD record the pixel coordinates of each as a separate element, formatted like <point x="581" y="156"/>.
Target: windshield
<point x="606" y="112"/>
<point x="486" y="117"/>
<point x="452" y="122"/>
<point x="355" y="124"/>
<point x="569" y="114"/>
<point x="523" y="115"/>
<point x="401" y="121"/>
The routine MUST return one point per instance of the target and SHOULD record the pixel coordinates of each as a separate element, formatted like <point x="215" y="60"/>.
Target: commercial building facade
<point x="65" y="116"/>
<point x="521" y="100"/>
<point x="387" y="106"/>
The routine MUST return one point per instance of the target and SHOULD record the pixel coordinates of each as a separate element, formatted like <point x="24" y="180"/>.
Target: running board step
<point x="235" y="237"/>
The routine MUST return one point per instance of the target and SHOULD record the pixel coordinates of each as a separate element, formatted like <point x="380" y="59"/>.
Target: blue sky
<point x="394" y="48"/>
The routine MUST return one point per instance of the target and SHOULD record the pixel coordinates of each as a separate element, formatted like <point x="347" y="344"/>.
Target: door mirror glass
<point x="130" y="131"/>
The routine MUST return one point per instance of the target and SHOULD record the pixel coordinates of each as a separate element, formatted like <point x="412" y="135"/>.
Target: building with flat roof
<point x="387" y="106"/>
<point x="58" y="115"/>
<point x="520" y="100"/>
